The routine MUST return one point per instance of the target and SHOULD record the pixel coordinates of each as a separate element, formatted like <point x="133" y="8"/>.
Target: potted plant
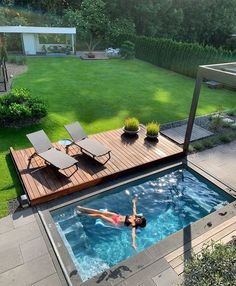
<point x="131" y="126"/>
<point x="91" y="55"/>
<point x="152" y="130"/>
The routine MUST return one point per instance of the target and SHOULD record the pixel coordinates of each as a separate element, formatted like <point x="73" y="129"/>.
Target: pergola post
<point x="192" y="113"/>
<point x="224" y="73"/>
<point x="73" y="43"/>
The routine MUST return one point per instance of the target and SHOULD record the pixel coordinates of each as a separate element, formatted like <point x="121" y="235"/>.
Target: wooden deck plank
<point x="197" y="249"/>
<point x="179" y="251"/>
<point x="43" y="183"/>
<point x="226" y="239"/>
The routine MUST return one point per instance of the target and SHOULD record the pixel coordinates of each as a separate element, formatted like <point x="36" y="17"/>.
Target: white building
<point x="30" y="37"/>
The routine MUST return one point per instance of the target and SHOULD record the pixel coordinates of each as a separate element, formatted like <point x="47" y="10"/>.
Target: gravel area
<point x="13" y="70"/>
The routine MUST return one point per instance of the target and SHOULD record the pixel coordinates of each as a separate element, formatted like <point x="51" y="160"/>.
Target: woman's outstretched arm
<point x="134" y="238"/>
<point x="134" y="206"/>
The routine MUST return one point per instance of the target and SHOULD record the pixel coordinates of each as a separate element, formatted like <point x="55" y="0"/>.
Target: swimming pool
<point x="170" y="201"/>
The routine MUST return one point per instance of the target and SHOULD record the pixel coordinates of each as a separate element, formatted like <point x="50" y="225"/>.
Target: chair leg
<point x="109" y="157"/>
<point x="30" y="158"/>
<point x="76" y="169"/>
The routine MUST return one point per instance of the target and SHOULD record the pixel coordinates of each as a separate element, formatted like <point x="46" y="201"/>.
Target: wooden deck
<point x="223" y="233"/>
<point x="42" y="183"/>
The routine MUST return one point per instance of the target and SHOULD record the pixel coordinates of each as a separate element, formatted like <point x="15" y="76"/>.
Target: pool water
<point x="169" y="202"/>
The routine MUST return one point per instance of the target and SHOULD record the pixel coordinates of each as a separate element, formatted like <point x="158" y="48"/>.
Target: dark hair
<point x="143" y="221"/>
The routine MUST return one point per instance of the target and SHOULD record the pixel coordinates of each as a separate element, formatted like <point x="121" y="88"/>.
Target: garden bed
<point x="13" y="70"/>
<point x="223" y="132"/>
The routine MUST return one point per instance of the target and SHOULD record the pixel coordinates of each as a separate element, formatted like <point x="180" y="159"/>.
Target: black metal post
<point x="192" y="113"/>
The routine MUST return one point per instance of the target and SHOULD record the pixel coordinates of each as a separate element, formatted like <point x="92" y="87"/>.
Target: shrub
<point x="127" y="50"/>
<point x="18" y="60"/>
<point x="215" y="265"/>
<point x="131" y="124"/>
<point x="3" y="54"/>
<point x="216" y="123"/>
<point x="231" y="112"/>
<point x="198" y="146"/>
<point x="233" y="126"/>
<point x="190" y="148"/>
<point x="225" y="138"/>
<point x="153" y="128"/>
<point x="18" y="108"/>
<point x="208" y="143"/>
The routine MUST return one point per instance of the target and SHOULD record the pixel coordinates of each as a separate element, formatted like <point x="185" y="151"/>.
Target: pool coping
<point x="154" y="254"/>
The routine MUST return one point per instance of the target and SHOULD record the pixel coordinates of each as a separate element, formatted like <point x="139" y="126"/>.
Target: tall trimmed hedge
<point x="183" y="58"/>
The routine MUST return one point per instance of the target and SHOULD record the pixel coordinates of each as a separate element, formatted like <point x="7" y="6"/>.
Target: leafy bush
<point x="231" y="112"/>
<point x="225" y="138"/>
<point x="198" y="146"/>
<point x="18" y="108"/>
<point x="190" y="148"/>
<point x="216" y="265"/>
<point x="3" y="54"/>
<point x="153" y="128"/>
<point x="233" y="126"/>
<point x="127" y="50"/>
<point x="131" y="124"/>
<point x="216" y="123"/>
<point x="208" y="143"/>
<point x="19" y="60"/>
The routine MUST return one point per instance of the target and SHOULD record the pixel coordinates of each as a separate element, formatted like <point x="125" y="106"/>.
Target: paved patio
<point x="219" y="161"/>
<point x="25" y="254"/>
<point x="27" y="257"/>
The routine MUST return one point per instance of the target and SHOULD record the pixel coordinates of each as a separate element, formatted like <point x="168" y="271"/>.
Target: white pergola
<point x="30" y="36"/>
<point x="224" y="73"/>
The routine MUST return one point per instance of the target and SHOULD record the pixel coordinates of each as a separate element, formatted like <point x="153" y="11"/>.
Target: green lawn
<point x="100" y="94"/>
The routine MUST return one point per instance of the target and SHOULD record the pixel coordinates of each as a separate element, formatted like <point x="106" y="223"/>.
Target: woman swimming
<point x="133" y="220"/>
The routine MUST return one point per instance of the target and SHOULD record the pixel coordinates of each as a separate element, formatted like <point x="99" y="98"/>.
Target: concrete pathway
<point x="219" y="162"/>
<point x="24" y="254"/>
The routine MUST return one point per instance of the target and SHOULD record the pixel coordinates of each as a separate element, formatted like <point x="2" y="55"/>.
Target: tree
<point x="93" y="22"/>
<point x="207" y="21"/>
<point x="120" y="26"/>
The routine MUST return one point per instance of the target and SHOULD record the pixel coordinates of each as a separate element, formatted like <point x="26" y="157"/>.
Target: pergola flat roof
<point x="224" y="73"/>
<point x="37" y="30"/>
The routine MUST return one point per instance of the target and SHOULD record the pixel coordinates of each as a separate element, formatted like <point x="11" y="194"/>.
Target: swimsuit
<point x="115" y="218"/>
<point x="127" y="222"/>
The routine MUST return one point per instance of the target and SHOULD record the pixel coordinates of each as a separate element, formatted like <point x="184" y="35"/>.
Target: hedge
<point x="183" y="58"/>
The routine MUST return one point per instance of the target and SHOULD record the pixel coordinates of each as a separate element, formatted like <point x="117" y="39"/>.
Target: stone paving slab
<point x="6" y="224"/>
<point x="28" y="273"/>
<point x="177" y="134"/>
<point x="167" y="278"/>
<point x="23" y="217"/>
<point x="219" y="161"/>
<point x="24" y="255"/>
<point x="33" y="249"/>
<point x="19" y="235"/>
<point x="52" y="280"/>
<point x="140" y="277"/>
<point x="10" y="258"/>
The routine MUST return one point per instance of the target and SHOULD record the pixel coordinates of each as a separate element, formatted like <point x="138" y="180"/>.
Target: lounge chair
<point x="87" y="145"/>
<point x="52" y="156"/>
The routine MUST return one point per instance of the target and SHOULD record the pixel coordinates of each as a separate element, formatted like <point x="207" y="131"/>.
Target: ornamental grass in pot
<point x="152" y="130"/>
<point x="131" y="126"/>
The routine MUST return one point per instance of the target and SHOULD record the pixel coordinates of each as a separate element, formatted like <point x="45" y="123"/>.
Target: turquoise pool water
<point x="169" y="202"/>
